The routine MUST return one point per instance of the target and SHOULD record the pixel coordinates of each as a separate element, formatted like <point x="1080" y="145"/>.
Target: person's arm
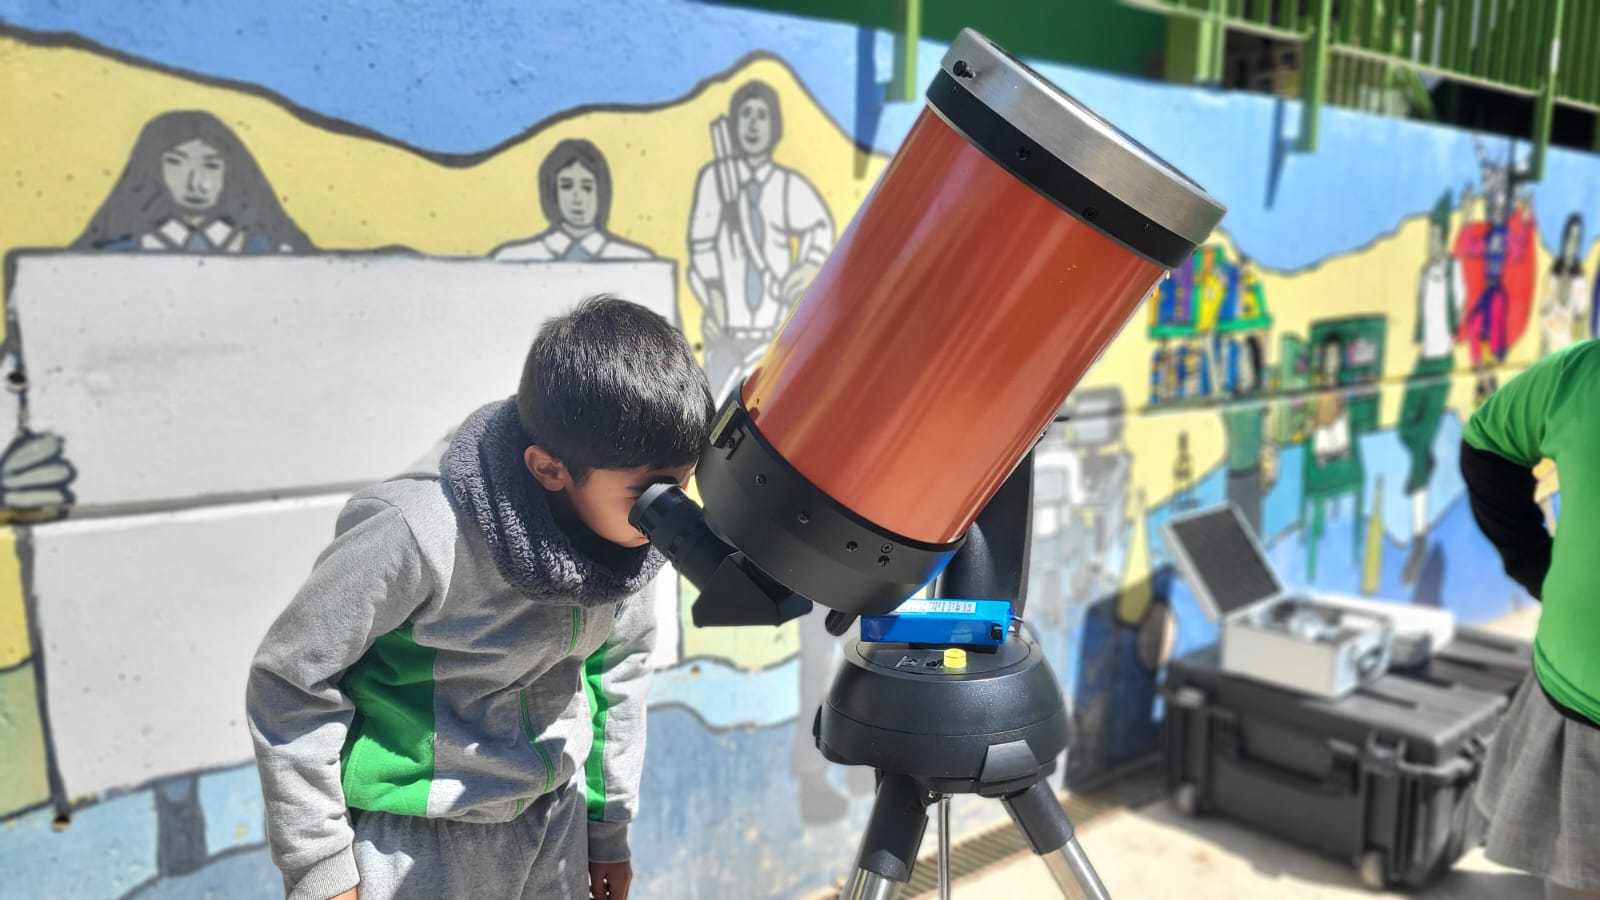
<point x="617" y="683"/>
<point x="1503" y="441"/>
<point x="366" y="584"/>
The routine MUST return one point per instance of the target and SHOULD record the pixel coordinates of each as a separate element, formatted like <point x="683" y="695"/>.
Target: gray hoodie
<point x="453" y="654"/>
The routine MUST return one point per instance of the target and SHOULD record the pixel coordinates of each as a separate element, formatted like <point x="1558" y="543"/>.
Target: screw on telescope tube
<point x="1023" y="153"/>
<point x="961" y="69"/>
<point x="883" y="560"/>
<point x="1090" y="213"/>
<point x="887" y="548"/>
<point x="761" y="480"/>
<point x="804" y="517"/>
<point x="852" y="547"/>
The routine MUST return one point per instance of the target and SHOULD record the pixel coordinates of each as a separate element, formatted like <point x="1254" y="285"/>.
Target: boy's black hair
<point x="612" y="385"/>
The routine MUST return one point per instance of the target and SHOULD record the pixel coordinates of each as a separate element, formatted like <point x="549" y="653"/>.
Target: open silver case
<point x="1314" y="644"/>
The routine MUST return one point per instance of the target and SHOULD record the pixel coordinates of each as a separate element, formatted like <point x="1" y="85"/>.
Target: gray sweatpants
<point x="542" y="854"/>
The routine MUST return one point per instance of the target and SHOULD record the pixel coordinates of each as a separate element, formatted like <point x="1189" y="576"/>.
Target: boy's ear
<point x="550" y="472"/>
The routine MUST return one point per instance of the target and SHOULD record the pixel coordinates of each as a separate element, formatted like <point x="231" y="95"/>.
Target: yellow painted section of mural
<point x="24" y="780"/>
<point x="14" y="643"/>
<point x="74" y="115"/>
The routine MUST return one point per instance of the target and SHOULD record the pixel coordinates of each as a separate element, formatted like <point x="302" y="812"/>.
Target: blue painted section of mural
<point x="231" y="801"/>
<point x="109" y="849"/>
<point x="237" y="876"/>
<point x="448" y="80"/>
<point x="740" y="794"/>
<point x="445" y="82"/>
<point x="727" y="697"/>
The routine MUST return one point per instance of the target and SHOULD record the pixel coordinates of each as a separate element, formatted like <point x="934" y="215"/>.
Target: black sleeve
<point x="1501" y="494"/>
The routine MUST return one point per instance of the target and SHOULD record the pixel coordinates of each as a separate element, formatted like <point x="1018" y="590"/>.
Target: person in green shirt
<point x="1541" y="781"/>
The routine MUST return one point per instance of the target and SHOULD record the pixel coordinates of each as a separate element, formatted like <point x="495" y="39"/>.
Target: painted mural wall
<point x="254" y="262"/>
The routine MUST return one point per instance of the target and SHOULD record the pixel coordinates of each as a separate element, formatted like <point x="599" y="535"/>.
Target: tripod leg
<point x="944" y="848"/>
<point x="1049" y="832"/>
<point x="889" y="845"/>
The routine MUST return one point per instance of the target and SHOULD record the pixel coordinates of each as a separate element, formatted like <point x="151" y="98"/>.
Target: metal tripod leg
<point x="1044" y="823"/>
<point x="889" y="845"/>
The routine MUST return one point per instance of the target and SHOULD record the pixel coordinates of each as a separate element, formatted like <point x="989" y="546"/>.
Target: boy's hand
<point x="352" y="894"/>
<point x="609" y="881"/>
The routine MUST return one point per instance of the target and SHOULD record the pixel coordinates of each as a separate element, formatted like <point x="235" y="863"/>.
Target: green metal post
<point x="1477" y="34"/>
<point x="908" y="88"/>
<point x="1497" y="40"/>
<point x="1547" y="92"/>
<point x="1584" y="65"/>
<point x="1407" y="39"/>
<point x="1430" y="27"/>
<point x="1534" y="47"/>
<point x="1219" y="41"/>
<point x="1185" y="49"/>
<point x="1461" y="28"/>
<point x="1314" y="85"/>
<point x="1582" y="81"/>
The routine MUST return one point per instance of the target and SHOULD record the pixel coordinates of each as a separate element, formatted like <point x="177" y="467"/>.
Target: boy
<point x="453" y="705"/>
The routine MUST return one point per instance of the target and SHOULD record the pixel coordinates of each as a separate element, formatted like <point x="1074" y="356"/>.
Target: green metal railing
<point x="1547" y="50"/>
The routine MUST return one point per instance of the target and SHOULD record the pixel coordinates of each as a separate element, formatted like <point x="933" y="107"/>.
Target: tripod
<point x="932" y="726"/>
<point x="929" y="734"/>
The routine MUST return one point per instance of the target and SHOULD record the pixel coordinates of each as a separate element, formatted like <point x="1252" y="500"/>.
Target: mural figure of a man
<point x="758" y="234"/>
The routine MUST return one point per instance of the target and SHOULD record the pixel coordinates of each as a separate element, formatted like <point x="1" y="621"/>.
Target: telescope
<point x="883" y="444"/>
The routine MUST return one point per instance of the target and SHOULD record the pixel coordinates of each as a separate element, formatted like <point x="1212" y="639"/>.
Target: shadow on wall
<point x="1127" y="638"/>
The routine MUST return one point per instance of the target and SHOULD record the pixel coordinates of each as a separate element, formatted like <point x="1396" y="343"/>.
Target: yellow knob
<point x="955" y="658"/>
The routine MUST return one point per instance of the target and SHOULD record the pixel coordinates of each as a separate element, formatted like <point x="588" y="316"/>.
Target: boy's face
<point x="605" y="498"/>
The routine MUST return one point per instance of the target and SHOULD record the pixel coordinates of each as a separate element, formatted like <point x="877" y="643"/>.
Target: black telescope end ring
<point x="798" y="534"/>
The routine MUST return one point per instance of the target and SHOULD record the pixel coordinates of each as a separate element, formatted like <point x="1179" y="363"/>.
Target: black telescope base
<point x="992" y="727"/>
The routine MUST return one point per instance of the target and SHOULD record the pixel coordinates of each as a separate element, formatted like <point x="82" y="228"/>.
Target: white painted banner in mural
<point x="174" y="377"/>
<point x="149" y="625"/>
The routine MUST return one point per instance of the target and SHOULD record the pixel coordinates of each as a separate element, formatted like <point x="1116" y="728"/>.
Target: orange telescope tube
<point x="1008" y="241"/>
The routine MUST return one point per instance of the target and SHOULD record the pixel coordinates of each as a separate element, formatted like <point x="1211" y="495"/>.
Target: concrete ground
<point x="1155" y="852"/>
